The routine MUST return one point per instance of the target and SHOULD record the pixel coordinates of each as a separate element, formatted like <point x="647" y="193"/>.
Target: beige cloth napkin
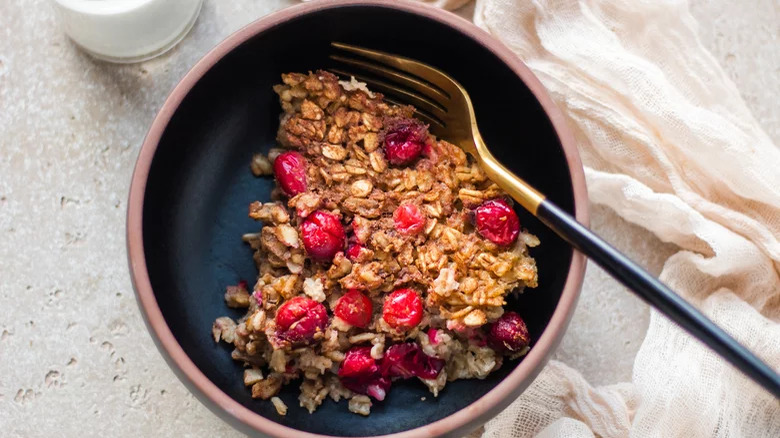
<point x="669" y="145"/>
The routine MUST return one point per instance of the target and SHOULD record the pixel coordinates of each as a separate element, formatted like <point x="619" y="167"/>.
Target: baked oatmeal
<point x="387" y="254"/>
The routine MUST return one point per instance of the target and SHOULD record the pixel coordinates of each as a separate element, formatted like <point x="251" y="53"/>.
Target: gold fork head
<point x="438" y="99"/>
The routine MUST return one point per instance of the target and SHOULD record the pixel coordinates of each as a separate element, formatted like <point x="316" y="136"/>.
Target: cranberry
<point x="497" y="222"/>
<point x="403" y="309"/>
<point x="432" y="332"/>
<point x="408" y="219"/>
<point x="359" y="372"/>
<point x="354" y="308"/>
<point x="290" y="171"/>
<point x="408" y="360"/>
<point x="353" y="251"/>
<point x="299" y="319"/>
<point x="323" y="235"/>
<point x="509" y="333"/>
<point x="404" y="141"/>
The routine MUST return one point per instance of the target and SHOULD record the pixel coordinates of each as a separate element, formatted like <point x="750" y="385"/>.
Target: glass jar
<point x="127" y="30"/>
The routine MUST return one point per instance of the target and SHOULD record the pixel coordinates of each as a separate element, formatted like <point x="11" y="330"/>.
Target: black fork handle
<point x="658" y="295"/>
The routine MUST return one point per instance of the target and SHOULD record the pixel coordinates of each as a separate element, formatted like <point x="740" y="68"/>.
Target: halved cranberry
<point x="509" y="333"/>
<point x="403" y="309"/>
<point x="408" y="219"/>
<point x="497" y="222"/>
<point x="404" y="141"/>
<point x="353" y="251"/>
<point x="299" y="319"/>
<point x="359" y="372"/>
<point x="290" y="171"/>
<point x="408" y="360"/>
<point x="323" y="235"/>
<point x="354" y="308"/>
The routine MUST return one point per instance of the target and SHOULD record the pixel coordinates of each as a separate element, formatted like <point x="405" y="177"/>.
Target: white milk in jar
<point x="127" y="30"/>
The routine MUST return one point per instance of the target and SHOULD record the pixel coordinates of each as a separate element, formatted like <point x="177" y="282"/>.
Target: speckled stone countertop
<point x="75" y="357"/>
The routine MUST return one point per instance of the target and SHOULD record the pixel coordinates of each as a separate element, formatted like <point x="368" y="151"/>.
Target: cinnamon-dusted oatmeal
<point x="388" y="254"/>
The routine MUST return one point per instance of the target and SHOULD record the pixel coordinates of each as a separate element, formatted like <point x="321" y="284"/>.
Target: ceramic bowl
<point x="191" y="188"/>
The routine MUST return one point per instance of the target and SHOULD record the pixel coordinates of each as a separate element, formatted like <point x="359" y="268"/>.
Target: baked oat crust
<point x="463" y="278"/>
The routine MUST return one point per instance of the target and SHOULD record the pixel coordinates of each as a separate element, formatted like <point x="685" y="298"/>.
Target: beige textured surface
<point x="75" y="357"/>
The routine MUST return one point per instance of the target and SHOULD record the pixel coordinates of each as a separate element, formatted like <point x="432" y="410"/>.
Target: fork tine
<point x="433" y="75"/>
<point x="428" y="90"/>
<point x="402" y="94"/>
<point x="436" y="125"/>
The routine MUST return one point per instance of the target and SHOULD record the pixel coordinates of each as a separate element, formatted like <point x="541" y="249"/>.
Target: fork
<point x="444" y="103"/>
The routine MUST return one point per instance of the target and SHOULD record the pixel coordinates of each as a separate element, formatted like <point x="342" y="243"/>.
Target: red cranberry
<point x="408" y="360"/>
<point x="408" y="219"/>
<point x="359" y="372"/>
<point x="403" y="309"/>
<point x="404" y="141"/>
<point x="290" y="171"/>
<point x="509" y="333"/>
<point x="354" y="308"/>
<point x="323" y="235"/>
<point x="497" y="222"/>
<point x="432" y="332"/>
<point x="299" y="319"/>
<point x="353" y="251"/>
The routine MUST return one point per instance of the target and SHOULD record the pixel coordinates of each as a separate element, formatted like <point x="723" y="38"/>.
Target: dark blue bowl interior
<point x="199" y="188"/>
